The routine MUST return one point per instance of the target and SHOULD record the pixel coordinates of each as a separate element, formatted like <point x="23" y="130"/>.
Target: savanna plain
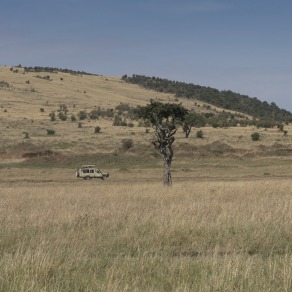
<point x="224" y="225"/>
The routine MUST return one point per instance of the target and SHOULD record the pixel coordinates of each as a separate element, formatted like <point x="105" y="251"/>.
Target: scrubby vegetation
<point x="4" y="84"/>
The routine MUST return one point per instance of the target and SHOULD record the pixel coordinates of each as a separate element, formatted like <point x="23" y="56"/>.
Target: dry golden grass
<point x="203" y="236"/>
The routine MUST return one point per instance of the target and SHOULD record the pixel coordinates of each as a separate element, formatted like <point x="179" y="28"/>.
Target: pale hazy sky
<point x="241" y="45"/>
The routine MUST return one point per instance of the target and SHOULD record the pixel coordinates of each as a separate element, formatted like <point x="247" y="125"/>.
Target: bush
<point x="73" y="118"/>
<point x="50" y="132"/>
<point x="4" y="84"/>
<point x="127" y="144"/>
<point x="52" y="116"/>
<point x="123" y="107"/>
<point x="82" y="115"/>
<point x="255" y="136"/>
<point x="62" y="116"/>
<point x="94" y="114"/>
<point x="200" y="134"/>
<point x="117" y="121"/>
<point x="97" y="129"/>
<point x="26" y="135"/>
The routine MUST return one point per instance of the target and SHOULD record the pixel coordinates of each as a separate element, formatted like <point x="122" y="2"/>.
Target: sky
<point x="239" y="45"/>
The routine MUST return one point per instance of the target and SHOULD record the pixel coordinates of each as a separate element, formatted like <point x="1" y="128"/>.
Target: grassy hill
<point x="28" y="97"/>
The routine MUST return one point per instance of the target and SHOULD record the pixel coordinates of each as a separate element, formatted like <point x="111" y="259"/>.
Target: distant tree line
<point x="225" y="99"/>
<point x="54" y="70"/>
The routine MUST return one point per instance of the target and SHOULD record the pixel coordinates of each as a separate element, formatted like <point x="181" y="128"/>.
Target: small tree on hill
<point x="192" y="120"/>
<point x="165" y="120"/>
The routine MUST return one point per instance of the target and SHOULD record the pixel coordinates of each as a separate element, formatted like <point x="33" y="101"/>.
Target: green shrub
<point x="73" y="118"/>
<point x="200" y="134"/>
<point x="82" y="115"/>
<point x="4" y="84"/>
<point x="127" y="144"/>
<point x="255" y="136"/>
<point x="52" y="116"/>
<point x="117" y="121"/>
<point x="123" y="107"/>
<point x="62" y="116"/>
<point x="26" y="135"/>
<point x="50" y="132"/>
<point x="94" y="114"/>
<point x="97" y="129"/>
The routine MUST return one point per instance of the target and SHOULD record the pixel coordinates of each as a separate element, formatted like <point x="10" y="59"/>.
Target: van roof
<point x="88" y="166"/>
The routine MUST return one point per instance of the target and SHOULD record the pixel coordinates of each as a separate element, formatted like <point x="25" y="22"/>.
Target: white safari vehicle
<point x="90" y="171"/>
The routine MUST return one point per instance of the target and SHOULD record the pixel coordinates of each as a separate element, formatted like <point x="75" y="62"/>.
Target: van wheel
<point x="104" y="177"/>
<point x="87" y="177"/>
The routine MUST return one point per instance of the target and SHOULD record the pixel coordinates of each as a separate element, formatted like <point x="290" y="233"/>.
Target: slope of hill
<point x="28" y="100"/>
<point x="225" y="99"/>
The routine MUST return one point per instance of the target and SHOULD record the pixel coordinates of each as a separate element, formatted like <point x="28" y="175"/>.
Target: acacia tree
<point x="192" y="120"/>
<point x="165" y="120"/>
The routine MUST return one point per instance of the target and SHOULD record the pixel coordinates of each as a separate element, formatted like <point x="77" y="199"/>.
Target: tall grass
<point x="206" y="236"/>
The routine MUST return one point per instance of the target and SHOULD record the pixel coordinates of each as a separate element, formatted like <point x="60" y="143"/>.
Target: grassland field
<point x="224" y="225"/>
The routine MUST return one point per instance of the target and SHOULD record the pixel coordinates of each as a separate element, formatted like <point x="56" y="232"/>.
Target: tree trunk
<point x="187" y="130"/>
<point x="167" y="181"/>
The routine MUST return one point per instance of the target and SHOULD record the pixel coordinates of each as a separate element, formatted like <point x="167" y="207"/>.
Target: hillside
<point x="29" y="97"/>
<point x="225" y="99"/>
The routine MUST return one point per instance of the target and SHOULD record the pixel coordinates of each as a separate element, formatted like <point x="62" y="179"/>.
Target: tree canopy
<point x="168" y="113"/>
